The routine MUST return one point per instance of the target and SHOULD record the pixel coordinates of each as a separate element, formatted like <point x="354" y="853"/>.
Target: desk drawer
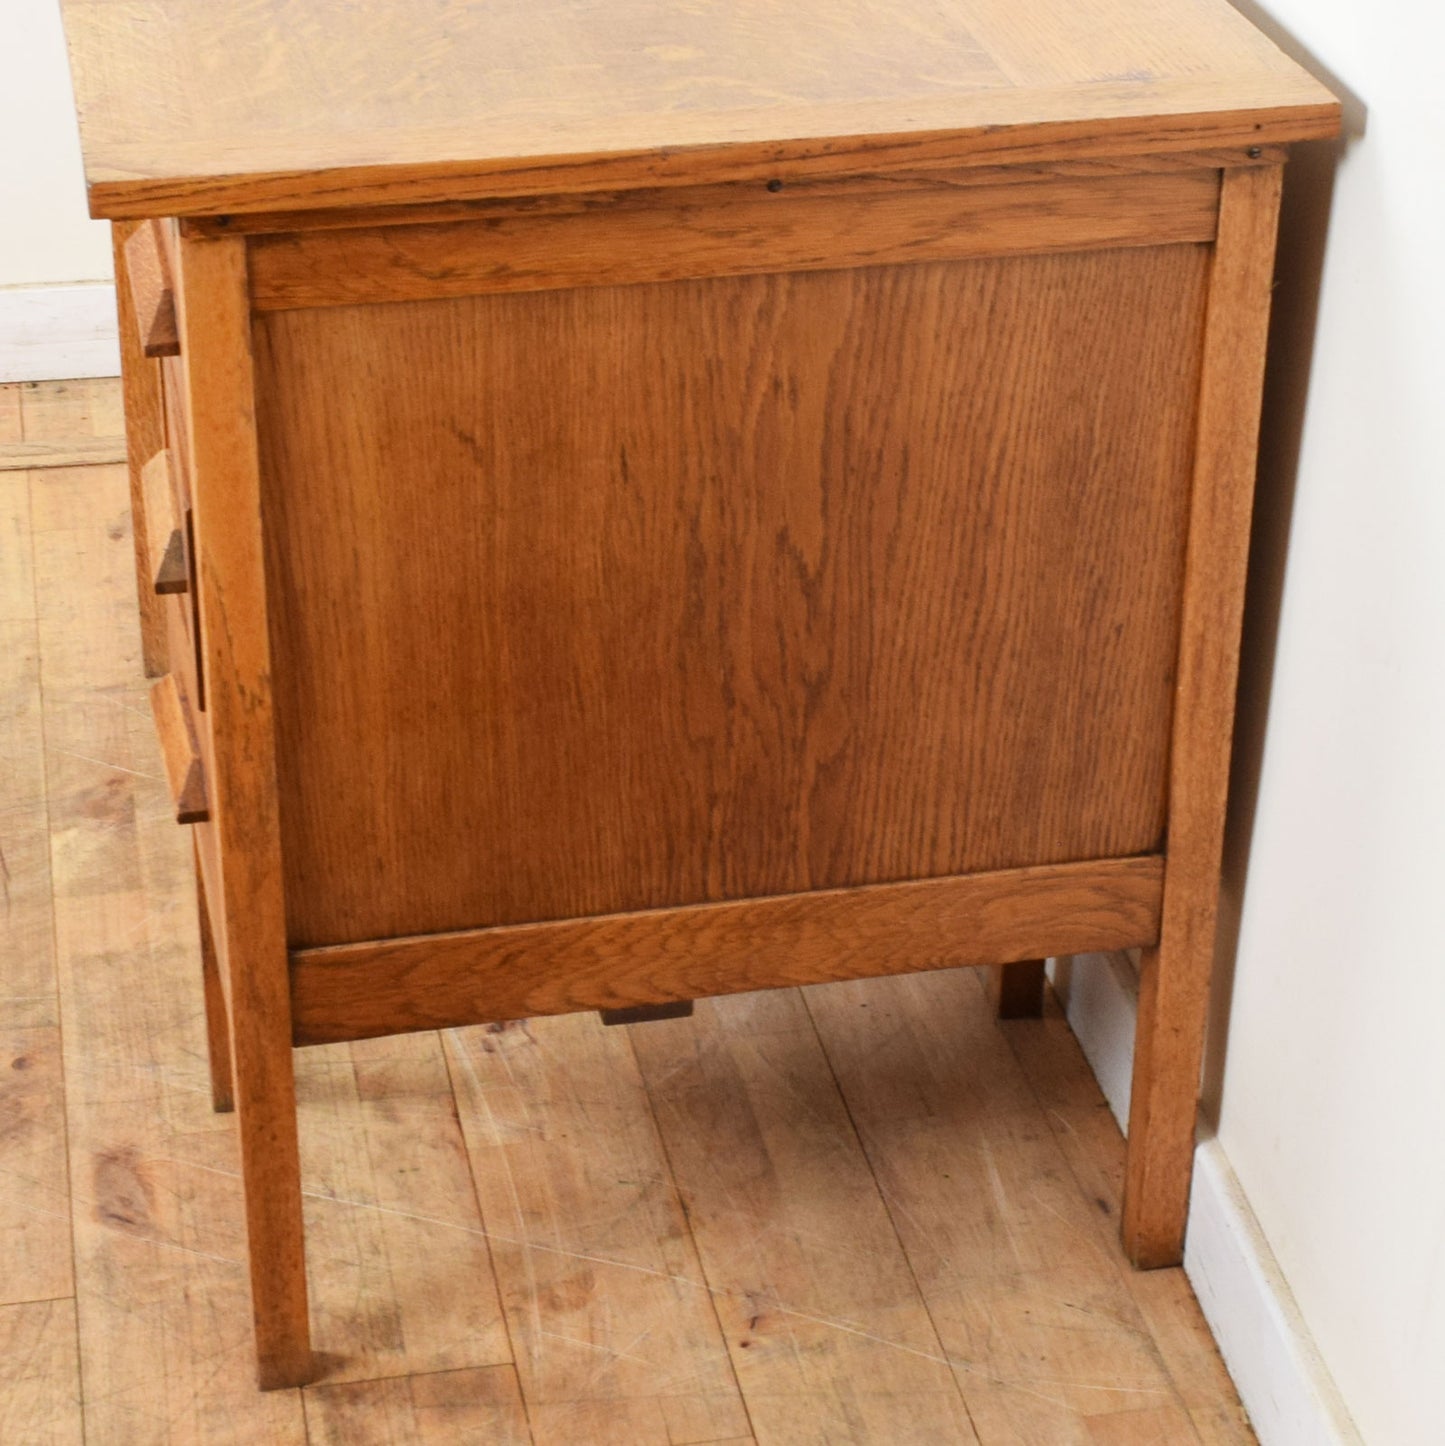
<point x="170" y="534"/>
<point x="180" y="749"/>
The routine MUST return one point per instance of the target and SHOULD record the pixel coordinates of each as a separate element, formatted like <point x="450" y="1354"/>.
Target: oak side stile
<point x="1174" y="975"/>
<point x="215" y="331"/>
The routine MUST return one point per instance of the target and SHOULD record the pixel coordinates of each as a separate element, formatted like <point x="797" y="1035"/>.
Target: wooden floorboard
<point x="615" y="1333"/>
<point x="401" y="1278"/>
<point x="1079" y="1118"/>
<point x="1021" y="1273"/>
<point x="867" y="1213"/>
<point x="164" y="1325"/>
<point x="40" y="1377"/>
<point x="480" y="1404"/>
<point x="829" y="1334"/>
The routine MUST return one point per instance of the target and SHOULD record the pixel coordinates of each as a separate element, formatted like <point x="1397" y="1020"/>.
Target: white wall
<point x="1329" y="1085"/>
<point x="46" y="236"/>
<point x="56" y="306"/>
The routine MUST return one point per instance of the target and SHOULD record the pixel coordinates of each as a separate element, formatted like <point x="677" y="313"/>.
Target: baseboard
<point x="1285" y="1386"/>
<point x="53" y="333"/>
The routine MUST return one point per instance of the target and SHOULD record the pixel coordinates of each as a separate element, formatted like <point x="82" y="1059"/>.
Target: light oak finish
<point x="731" y="231"/>
<point x="620" y="960"/>
<point x="772" y="510"/>
<point x="214" y="318"/>
<point x="537" y="96"/>
<point x="1174" y="975"/>
<point x="616" y="1290"/>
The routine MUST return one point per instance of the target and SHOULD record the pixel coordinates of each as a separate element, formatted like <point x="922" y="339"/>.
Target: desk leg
<point x="1017" y="990"/>
<point x="214" y="315"/>
<point x="1174" y="975"/>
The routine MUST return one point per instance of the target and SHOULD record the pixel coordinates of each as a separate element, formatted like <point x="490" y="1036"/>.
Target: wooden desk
<point x="641" y="502"/>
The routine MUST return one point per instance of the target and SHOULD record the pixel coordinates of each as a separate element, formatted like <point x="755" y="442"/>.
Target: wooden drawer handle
<point x="167" y="544"/>
<point x="171" y="574"/>
<point x="180" y="751"/>
<point x="151" y="292"/>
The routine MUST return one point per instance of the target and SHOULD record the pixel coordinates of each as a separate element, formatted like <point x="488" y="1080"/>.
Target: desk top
<point x="203" y="107"/>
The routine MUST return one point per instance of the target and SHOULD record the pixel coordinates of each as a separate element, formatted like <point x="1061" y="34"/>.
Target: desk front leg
<point x="248" y="908"/>
<point x="1174" y="981"/>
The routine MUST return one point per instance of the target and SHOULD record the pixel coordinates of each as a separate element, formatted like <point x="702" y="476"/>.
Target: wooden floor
<point x="859" y="1213"/>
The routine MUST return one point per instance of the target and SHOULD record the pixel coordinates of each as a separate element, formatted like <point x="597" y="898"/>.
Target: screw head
<point x="775" y="184"/>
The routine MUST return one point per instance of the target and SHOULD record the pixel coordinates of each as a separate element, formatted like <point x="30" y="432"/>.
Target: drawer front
<point x="173" y="573"/>
<point x="180" y="749"/>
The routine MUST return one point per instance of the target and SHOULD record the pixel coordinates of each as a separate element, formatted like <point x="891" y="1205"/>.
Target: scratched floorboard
<point x="867" y="1215"/>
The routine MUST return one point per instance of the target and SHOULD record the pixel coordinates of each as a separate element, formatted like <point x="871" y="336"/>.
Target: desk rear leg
<point x="1017" y="990"/>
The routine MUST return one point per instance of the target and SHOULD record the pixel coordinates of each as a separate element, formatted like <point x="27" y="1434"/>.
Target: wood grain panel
<point x="191" y="108"/>
<point x="356" y="990"/>
<point x="685" y="613"/>
<point x="746" y="231"/>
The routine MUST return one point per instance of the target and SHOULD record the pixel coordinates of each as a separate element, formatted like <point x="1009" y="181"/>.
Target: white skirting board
<point x="54" y="333"/>
<point x="1285" y="1386"/>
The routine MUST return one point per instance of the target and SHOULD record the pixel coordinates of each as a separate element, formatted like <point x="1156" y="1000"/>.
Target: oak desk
<point x="637" y="502"/>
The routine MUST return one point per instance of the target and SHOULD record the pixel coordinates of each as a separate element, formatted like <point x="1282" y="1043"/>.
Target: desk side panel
<point x="645" y="596"/>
